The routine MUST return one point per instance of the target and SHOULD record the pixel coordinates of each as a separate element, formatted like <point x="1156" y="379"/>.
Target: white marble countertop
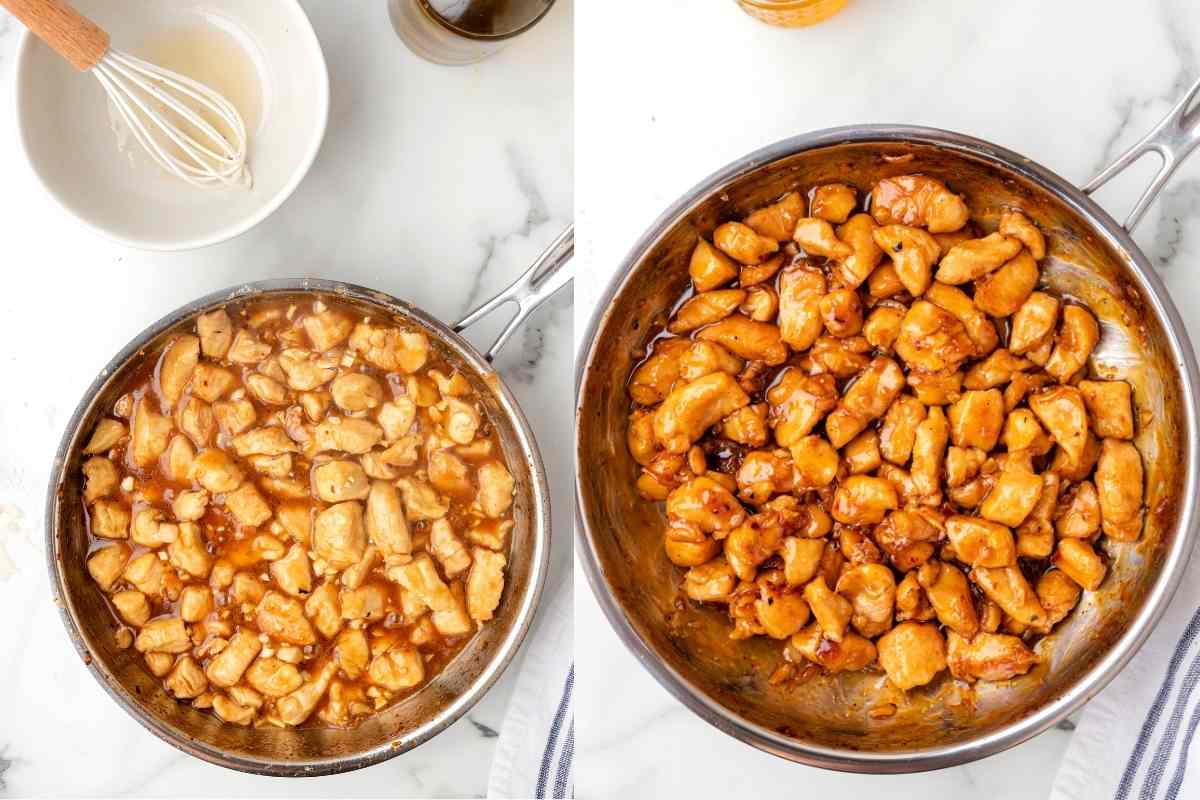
<point x="436" y="185"/>
<point x="697" y="85"/>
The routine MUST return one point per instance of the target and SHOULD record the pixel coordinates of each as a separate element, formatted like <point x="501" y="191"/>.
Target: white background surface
<point x="671" y="90"/>
<point x="436" y="185"/>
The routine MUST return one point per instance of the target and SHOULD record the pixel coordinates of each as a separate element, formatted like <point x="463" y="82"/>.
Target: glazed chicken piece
<point x="988" y="656"/>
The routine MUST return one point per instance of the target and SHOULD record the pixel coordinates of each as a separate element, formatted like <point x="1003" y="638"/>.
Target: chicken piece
<point x="710" y="268"/>
<point x="899" y="430"/>
<point x="448" y="549"/>
<point x="862" y="454"/>
<point x="327" y="329"/>
<point x="975" y="258"/>
<point x="981" y="543"/>
<point x="293" y="573"/>
<point x="913" y="252"/>
<point x="995" y="370"/>
<point x="109" y="519"/>
<point x="306" y="371"/>
<point x="485" y="583"/>
<point x="1022" y="431"/>
<point x="1032" y="323"/>
<point x="949" y="594"/>
<point x="1058" y="595"/>
<point x="159" y="664"/>
<point x="282" y="617"/>
<point x="1035" y="536"/>
<point x="151" y="433"/>
<point x="912" y="654"/>
<point x="296" y="519"/>
<point x="871" y="589"/>
<point x="936" y="388"/>
<point x="800" y="293"/>
<point x="1078" y="335"/>
<point x="132" y="606"/>
<point x="273" y="677"/>
<point x="653" y="379"/>
<point x="815" y="463"/>
<point x="195" y="603"/>
<point x="980" y="330"/>
<point x="401" y="667"/>
<point x="1007" y="588"/>
<point x="195" y="418"/>
<point x="1078" y="513"/>
<point x="932" y="339"/>
<point x="883" y="326"/>
<point x="235" y="416"/>
<point x="216" y="471"/>
<point x="918" y="200"/>
<point x="778" y="220"/>
<point x="1070" y="469"/>
<point x="163" y="635"/>
<point x="765" y="473"/>
<point x="841" y="313"/>
<point x="1003" y="292"/>
<point x="863" y="500"/>
<point x="693" y="408"/>
<point x="988" y="657"/>
<point x="106" y="564"/>
<point x="189" y="552"/>
<point x="1062" y="413"/>
<point x="963" y="464"/>
<point x="347" y="434"/>
<point x="149" y="530"/>
<point x="706" y="504"/>
<point x="858" y="233"/>
<point x="711" y="582"/>
<point x="186" y="680"/>
<point x="851" y="654"/>
<point x="449" y="474"/>
<point x="216" y="333"/>
<point x="831" y="611"/>
<point x="747" y="426"/>
<point x="495" y="488"/>
<point x="1080" y="562"/>
<point x="175" y="368"/>
<point x="1013" y="497"/>
<point x="1120" y="485"/>
<point x="705" y="358"/>
<point x="798" y="402"/>
<point x="367" y="602"/>
<point x="247" y="349"/>
<point x="742" y="243"/>
<point x="929" y="453"/>
<point x="386" y="525"/>
<point x="866" y="399"/>
<point x="746" y="338"/>
<point x="390" y="349"/>
<point x="323" y="609"/>
<point x="801" y="559"/>
<point x="750" y="544"/>
<point x="146" y="573"/>
<point x="269" y="441"/>
<point x="977" y="418"/>
<point x="107" y="434"/>
<point x="247" y="505"/>
<point x="420" y="577"/>
<point x="190" y="506"/>
<point x="906" y="537"/>
<point x="339" y="536"/>
<point x="817" y="238"/>
<point x="339" y="481"/>
<point x="706" y="308"/>
<point x="295" y="708"/>
<point x="421" y="502"/>
<point x="911" y="602"/>
<point x="1018" y="226"/>
<point x="210" y="382"/>
<point x="1109" y="408"/>
<point x="833" y="202"/>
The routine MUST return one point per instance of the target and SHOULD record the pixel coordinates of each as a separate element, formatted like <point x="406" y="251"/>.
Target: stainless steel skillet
<point x="824" y="722"/>
<point x="414" y="720"/>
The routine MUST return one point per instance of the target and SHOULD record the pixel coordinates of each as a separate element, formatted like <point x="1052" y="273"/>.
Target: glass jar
<point x="458" y="32"/>
<point x="792" y="13"/>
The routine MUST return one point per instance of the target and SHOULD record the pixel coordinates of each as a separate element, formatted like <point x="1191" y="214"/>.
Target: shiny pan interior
<point x="824" y="721"/>
<point x="304" y="750"/>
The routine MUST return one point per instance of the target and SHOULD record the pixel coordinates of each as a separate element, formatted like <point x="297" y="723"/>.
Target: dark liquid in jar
<point x="487" y="17"/>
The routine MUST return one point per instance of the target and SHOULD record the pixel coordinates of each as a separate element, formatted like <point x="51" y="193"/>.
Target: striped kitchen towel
<point x="1137" y="739"/>
<point x="535" y="754"/>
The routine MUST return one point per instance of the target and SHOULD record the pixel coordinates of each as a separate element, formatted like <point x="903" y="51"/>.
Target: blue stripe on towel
<point x="1152" y="716"/>
<point x="1177" y="779"/>
<point x="561" y="790"/>
<point x="555" y="730"/>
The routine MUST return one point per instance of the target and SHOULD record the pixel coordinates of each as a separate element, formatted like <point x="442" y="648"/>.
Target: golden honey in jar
<point x="792" y="13"/>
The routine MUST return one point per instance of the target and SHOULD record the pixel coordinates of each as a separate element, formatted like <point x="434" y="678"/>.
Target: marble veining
<point x="409" y="182"/>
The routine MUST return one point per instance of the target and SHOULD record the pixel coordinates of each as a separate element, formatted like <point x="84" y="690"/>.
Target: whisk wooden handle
<point x="72" y="35"/>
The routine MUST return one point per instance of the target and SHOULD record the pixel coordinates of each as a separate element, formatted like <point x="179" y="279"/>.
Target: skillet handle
<point x="549" y="273"/>
<point x="1174" y="138"/>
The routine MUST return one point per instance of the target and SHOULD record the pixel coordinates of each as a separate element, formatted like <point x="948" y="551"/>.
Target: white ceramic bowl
<point x="66" y="130"/>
